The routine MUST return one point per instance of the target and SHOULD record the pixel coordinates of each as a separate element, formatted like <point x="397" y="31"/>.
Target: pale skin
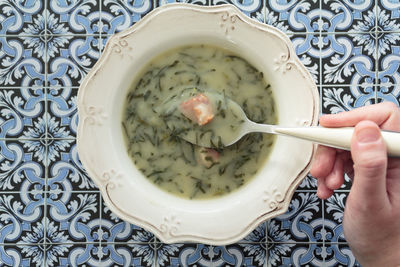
<point x="371" y="221"/>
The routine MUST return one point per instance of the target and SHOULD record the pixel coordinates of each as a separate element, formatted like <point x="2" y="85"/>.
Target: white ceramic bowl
<point x="127" y="192"/>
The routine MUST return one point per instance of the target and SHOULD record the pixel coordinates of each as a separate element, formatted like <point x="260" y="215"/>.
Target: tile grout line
<point x="45" y="220"/>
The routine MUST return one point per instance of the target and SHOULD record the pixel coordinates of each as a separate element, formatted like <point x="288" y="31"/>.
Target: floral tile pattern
<point x="119" y="15"/>
<point x="116" y="230"/>
<point x="65" y="170"/>
<point x="334" y="210"/>
<point x="22" y="113"/>
<point x="51" y="212"/>
<point x="347" y="16"/>
<point x="74" y="216"/>
<point x="308" y="183"/>
<point x="128" y="254"/>
<point x="296" y="254"/>
<point x="18" y="16"/>
<point x="388" y="64"/>
<point x="301" y="223"/>
<point x="251" y="8"/>
<point x="70" y="59"/>
<point x="388" y="92"/>
<point x="345" y="98"/>
<point x="21" y="218"/>
<point x="22" y="61"/>
<point x="62" y="111"/>
<point x="77" y="254"/>
<point x="74" y="17"/>
<point x="308" y="49"/>
<point x="294" y="16"/>
<point x="339" y="254"/>
<point x="392" y="8"/>
<point x="22" y="167"/>
<point x="348" y="59"/>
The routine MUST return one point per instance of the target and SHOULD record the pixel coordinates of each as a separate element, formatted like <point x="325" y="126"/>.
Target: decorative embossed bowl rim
<point x="100" y="138"/>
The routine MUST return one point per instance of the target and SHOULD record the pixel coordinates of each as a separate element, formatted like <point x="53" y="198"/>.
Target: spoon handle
<point x="338" y="137"/>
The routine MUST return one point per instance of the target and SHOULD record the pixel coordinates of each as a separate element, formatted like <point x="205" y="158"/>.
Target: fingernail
<point x="368" y="135"/>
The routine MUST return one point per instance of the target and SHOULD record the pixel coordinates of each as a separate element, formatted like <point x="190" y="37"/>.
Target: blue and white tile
<point x="17" y="17"/>
<point x="65" y="170"/>
<point x="184" y="255"/>
<point x="22" y="113"/>
<point x="258" y="235"/>
<point x="334" y="211"/>
<point x="22" y="167"/>
<point x="301" y="223"/>
<point x="115" y="229"/>
<point x="294" y="16"/>
<point x="195" y="2"/>
<point x="71" y="59"/>
<point x="348" y="59"/>
<point x="346" y="186"/>
<point x="61" y="107"/>
<point x="127" y="254"/>
<point x="21" y="218"/>
<point x="295" y="254"/>
<point x="339" y="254"/>
<point x="389" y="59"/>
<point x="22" y="61"/>
<point x="77" y="254"/>
<point x="308" y="183"/>
<point x="391" y="17"/>
<point x="251" y="8"/>
<point x="277" y="253"/>
<point x="74" y="17"/>
<point x="250" y="254"/>
<point x="307" y="48"/>
<point x="38" y="248"/>
<point x="388" y="93"/>
<point x="336" y="99"/>
<point x="30" y="255"/>
<point x="118" y="15"/>
<point x="75" y="216"/>
<point x="347" y="16"/>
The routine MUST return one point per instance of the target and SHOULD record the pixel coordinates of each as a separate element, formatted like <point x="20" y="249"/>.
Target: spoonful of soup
<point x="211" y="119"/>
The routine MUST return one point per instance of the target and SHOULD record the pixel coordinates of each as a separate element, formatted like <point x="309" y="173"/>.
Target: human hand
<point x="371" y="221"/>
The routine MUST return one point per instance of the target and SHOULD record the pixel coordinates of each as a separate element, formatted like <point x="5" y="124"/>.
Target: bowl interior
<point x="286" y="103"/>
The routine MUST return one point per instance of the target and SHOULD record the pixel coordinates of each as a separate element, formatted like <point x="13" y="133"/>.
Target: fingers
<point x="323" y="162"/>
<point x="386" y="115"/>
<point x="368" y="151"/>
<point x="328" y="168"/>
<point x="336" y="178"/>
<point x="323" y="191"/>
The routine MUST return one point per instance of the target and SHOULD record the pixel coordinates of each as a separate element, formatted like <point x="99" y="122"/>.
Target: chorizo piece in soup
<point x="175" y="165"/>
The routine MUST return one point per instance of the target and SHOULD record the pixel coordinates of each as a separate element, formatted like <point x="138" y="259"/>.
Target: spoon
<point x="229" y="124"/>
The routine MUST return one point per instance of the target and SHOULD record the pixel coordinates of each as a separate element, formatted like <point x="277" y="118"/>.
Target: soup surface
<point x="175" y="165"/>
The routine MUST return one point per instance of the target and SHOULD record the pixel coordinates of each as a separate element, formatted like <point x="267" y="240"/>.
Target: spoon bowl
<point x="230" y="123"/>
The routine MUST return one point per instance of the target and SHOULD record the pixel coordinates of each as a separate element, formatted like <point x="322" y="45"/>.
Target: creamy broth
<point x="175" y="165"/>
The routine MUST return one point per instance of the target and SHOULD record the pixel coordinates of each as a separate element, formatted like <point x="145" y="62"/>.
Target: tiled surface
<point x="51" y="214"/>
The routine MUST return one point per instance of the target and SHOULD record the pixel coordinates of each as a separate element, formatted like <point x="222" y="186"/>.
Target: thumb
<point x="368" y="151"/>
